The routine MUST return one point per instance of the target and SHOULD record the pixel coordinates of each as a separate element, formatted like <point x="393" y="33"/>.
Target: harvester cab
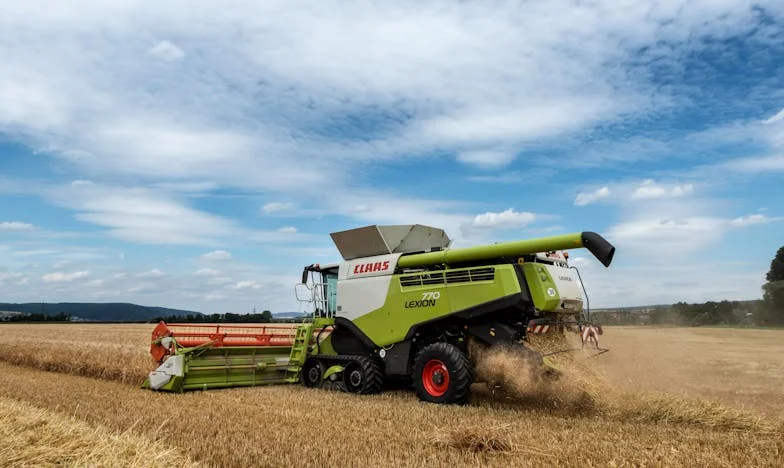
<point x="400" y="305"/>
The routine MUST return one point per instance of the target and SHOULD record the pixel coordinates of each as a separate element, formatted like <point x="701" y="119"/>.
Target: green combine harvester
<point x="401" y="306"/>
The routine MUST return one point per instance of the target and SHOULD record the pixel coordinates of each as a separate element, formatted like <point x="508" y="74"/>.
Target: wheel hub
<point x="355" y="378"/>
<point x="435" y="378"/>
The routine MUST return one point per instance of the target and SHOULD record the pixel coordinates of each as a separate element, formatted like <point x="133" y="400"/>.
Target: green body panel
<point x="484" y="252"/>
<point x="332" y="370"/>
<point x="544" y="291"/>
<point x="408" y="304"/>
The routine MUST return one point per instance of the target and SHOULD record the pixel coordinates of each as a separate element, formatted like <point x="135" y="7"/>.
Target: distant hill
<point x="107" y="312"/>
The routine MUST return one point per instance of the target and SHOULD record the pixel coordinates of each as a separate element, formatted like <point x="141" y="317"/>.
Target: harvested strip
<point x="31" y="436"/>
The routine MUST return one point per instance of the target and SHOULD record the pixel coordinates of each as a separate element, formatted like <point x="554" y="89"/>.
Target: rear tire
<point x="442" y="374"/>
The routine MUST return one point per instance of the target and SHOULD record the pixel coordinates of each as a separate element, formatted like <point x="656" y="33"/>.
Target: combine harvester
<point x="401" y="305"/>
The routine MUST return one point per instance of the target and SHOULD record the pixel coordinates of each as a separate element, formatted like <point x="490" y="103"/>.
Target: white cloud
<point x="217" y="255"/>
<point x="16" y="226"/>
<point x="59" y="277"/>
<point x="154" y="273"/>
<point x="11" y="277"/>
<point x="656" y="237"/>
<point x="288" y="230"/>
<point x="167" y="51"/>
<point x="667" y="230"/>
<point x="275" y="207"/>
<point x="650" y="189"/>
<point x="586" y="198"/>
<point x="627" y="191"/>
<point x="258" y="110"/>
<point x="505" y="219"/>
<point x="486" y="159"/>
<point x="771" y="163"/>
<point x="776" y="118"/>
<point x="749" y="220"/>
<point x="246" y="285"/>
<point x="535" y="119"/>
<point x="141" y="215"/>
<point x="206" y="272"/>
<point x="455" y="77"/>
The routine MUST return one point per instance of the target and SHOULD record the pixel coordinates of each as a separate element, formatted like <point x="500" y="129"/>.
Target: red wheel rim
<point x="435" y="378"/>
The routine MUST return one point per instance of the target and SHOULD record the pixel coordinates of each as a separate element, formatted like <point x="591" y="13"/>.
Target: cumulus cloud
<point x="245" y="285"/>
<point x="217" y="255"/>
<point x="59" y="277"/>
<point x="16" y="226"/>
<point x="504" y="219"/>
<point x="340" y="90"/>
<point x="629" y="191"/>
<point x="275" y="207"/>
<point x="450" y="77"/>
<point x="586" y="198"/>
<point x="650" y="189"/>
<point x="167" y="51"/>
<point x="752" y="219"/>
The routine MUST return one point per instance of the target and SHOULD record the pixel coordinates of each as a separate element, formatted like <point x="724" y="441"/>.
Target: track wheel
<point x="312" y="373"/>
<point x="442" y="374"/>
<point x="362" y="375"/>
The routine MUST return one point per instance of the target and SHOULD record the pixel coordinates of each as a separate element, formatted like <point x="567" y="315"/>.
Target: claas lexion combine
<point x="402" y="306"/>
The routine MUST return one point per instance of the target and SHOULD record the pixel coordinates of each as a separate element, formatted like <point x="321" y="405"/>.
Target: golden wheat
<point x="582" y="419"/>
<point x="31" y="436"/>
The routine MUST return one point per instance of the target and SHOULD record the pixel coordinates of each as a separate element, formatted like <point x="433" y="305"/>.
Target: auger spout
<point x="596" y="244"/>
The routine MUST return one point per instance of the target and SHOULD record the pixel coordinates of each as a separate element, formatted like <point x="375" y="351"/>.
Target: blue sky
<point x="196" y="155"/>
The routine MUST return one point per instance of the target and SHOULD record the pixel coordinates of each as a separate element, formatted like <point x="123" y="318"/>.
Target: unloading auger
<point x="401" y="305"/>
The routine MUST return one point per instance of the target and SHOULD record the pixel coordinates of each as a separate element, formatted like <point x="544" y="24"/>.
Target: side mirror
<point x="302" y="292"/>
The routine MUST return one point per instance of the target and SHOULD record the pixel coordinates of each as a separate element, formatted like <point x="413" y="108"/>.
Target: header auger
<point x="401" y="305"/>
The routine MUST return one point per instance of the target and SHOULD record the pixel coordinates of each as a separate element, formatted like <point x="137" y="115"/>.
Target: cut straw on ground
<point x="581" y="419"/>
<point x="31" y="436"/>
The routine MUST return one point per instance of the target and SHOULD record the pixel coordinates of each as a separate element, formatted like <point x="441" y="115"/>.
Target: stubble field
<point x="660" y="397"/>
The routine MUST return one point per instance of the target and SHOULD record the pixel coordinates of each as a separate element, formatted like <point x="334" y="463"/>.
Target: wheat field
<point x="659" y="397"/>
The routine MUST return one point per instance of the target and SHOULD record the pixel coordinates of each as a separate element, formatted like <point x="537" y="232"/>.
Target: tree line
<point x="769" y="311"/>
<point x="263" y="317"/>
<point x="59" y="317"/>
<point x="738" y="313"/>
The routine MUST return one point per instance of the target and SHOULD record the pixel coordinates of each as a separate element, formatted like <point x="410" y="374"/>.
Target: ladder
<point x="299" y="352"/>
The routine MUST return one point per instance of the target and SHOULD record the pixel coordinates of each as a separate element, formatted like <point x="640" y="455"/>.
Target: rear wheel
<point x="442" y="374"/>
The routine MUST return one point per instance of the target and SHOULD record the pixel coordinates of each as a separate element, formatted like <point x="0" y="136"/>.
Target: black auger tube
<point x="599" y="247"/>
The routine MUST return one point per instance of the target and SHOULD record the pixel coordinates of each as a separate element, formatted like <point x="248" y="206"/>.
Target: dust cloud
<point x="513" y="376"/>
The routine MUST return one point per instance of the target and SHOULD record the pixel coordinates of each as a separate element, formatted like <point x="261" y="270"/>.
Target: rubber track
<point x="374" y="379"/>
<point x="463" y="375"/>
